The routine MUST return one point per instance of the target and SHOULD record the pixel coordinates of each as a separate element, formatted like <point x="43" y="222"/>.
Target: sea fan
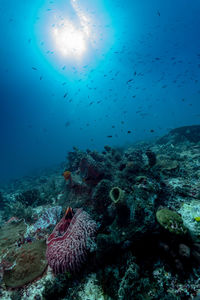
<point x="67" y="246"/>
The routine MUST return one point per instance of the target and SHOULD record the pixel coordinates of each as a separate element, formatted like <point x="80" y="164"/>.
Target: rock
<point x="190" y="213"/>
<point x="166" y="164"/>
<point x="184" y="250"/>
<point x="182" y="134"/>
<point x="11" y="233"/>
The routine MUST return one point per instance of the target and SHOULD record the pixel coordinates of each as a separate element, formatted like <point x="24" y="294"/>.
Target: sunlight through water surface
<point x="71" y="37"/>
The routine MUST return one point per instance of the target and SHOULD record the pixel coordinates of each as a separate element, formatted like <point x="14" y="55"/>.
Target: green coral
<point x="171" y="221"/>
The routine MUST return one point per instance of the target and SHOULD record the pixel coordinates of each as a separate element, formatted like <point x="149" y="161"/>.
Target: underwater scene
<point x="100" y="150"/>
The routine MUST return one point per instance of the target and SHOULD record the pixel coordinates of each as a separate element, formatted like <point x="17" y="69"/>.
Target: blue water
<point x="139" y="72"/>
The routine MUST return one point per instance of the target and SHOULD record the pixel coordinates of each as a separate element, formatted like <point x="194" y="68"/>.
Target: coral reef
<point x="128" y="283"/>
<point x="144" y="200"/>
<point x="30" y="197"/>
<point x="182" y="134"/>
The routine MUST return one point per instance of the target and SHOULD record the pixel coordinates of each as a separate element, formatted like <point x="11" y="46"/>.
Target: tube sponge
<point x="116" y="194"/>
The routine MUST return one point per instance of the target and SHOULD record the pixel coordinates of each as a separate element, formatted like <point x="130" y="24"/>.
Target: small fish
<point x="33" y="68"/>
<point x="109" y="136"/>
<point x="158" y="13"/>
<point x="151" y="130"/>
<point x="129" y="80"/>
<point x="41" y="77"/>
<point x="65" y="95"/>
<point x="128" y="131"/>
<point x="63" y="68"/>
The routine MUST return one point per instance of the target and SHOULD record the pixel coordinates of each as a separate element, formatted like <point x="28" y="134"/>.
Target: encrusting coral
<point x="27" y="264"/>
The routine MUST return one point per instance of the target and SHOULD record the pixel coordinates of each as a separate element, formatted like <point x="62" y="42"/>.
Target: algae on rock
<point x="11" y="233"/>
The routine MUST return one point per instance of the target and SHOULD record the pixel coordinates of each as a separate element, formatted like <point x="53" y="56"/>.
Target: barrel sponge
<point x="116" y="194"/>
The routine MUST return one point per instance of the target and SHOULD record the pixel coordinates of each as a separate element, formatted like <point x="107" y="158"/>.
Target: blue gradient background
<point x="129" y="36"/>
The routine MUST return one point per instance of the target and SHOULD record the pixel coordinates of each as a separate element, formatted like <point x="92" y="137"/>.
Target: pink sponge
<point x="67" y="246"/>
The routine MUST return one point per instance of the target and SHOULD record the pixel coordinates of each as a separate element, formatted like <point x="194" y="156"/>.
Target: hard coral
<point x="50" y="217"/>
<point x="171" y="221"/>
<point x="67" y="246"/>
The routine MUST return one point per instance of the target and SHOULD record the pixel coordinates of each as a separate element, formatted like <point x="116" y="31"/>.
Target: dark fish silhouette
<point x="129" y="80"/>
<point x="33" y="68"/>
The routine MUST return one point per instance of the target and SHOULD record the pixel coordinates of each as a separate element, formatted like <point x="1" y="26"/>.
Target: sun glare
<point x="69" y="40"/>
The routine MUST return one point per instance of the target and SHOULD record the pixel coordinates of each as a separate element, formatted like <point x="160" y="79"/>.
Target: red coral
<point x="67" y="246"/>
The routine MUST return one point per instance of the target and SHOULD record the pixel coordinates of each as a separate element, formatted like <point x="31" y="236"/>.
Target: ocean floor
<point x="123" y="223"/>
